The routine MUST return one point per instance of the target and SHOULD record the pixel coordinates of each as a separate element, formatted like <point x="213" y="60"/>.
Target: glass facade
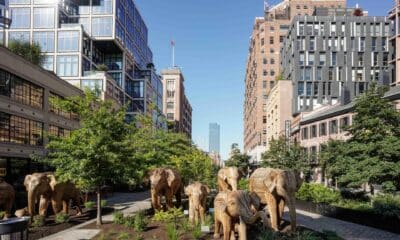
<point x="102" y="26"/>
<point x="20" y="17"/>
<point x="45" y="40"/>
<point x="67" y="65"/>
<point x="43" y="17"/>
<point x="68" y="41"/>
<point x="19" y="130"/>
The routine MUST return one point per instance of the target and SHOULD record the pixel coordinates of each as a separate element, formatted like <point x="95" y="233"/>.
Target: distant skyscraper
<point x="214" y="138"/>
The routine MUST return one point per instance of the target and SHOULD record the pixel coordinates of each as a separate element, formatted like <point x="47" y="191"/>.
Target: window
<point x="304" y="133"/>
<point x="45" y="40"/>
<point x="319" y="74"/>
<point x="362" y="44"/>
<point x="330" y="74"/>
<point x="309" y="88"/>
<point x="104" y="7"/>
<point x="300" y="89"/>
<point x="48" y="62"/>
<point x="272" y="61"/>
<point x="272" y="73"/>
<point x="170" y="105"/>
<point x="20" y="130"/>
<point x="334" y="58"/>
<point x="344" y="122"/>
<point x="374" y="43"/>
<point x="58" y="131"/>
<point x="333" y="127"/>
<point x="264" y="84"/>
<point x="21" y="17"/>
<point x="138" y="89"/>
<point x="19" y="36"/>
<point x="271" y="40"/>
<point x="102" y="26"/>
<point x="265" y="61"/>
<point x="360" y="59"/>
<point x="265" y="73"/>
<point x="384" y="45"/>
<point x="322" y="59"/>
<point x="43" y="17"/>
<point x="92" y="84"/>
<point x="322" y="129"/>
<point x="313" y="133"/>
<point x="315" y="88"/>
<point x="68" y="41"/>
<point x="312" y="44"/>
<point x="378" y="29"/>
<point x="307" y="74"/>
<point x="301" y="61"/>
<point x="333" y="28"/>
<point x="20" y="1"/>
<point x="170" y="116"/>
<point x="385" y="58"/>
<point x="262" y="42"/>
<point x="313" y="154"/>
<point x="67" y="65"/>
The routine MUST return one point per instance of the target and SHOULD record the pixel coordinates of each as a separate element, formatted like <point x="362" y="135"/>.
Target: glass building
<point x="92" y="43"/>
<point x="214" y="138"/>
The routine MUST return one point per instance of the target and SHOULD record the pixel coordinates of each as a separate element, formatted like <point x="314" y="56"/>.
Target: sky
<point x="212" y="39"/>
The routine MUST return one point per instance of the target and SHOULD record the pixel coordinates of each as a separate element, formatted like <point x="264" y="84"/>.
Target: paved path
<point x="128" y="203"/>
<point x="346" y="230"/>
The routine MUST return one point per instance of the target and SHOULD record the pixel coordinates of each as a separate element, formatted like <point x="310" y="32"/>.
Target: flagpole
<point x="173" y="53"/>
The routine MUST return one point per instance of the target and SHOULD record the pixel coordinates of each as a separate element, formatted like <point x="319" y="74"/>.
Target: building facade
<point x="333" y="56"/>
<point x="279" y="111"/>
<point x="26" y="113"/>
<point x="263" y="66"/>
<point x="176" y="106"/>
<point x="81" y="39"/>
<point x="394" y="15"/>
<point x="214" y="138"/>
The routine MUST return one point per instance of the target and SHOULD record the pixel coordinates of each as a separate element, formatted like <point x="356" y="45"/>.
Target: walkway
<point x="128" y="203"/>
<point x="346" y="230"/>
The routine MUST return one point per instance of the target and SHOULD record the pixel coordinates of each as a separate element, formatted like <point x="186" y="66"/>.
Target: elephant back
<point x="6" y="190"/>
<point x="173" y="177"/>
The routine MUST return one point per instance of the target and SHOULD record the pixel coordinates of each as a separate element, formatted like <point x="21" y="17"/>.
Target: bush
<point x="167" y="216"/>
<point x="140" y="222"/>
<point x="103" y="203"/>
<point x="31" y="52"/>
<point x="354" y="205"/>
<point x="124" y="236"/>
<point x="172" y="232"/>
<point x="196" y="231"/>
<point x="61" y="217"/>
<point x="243" y="184"/>
<point x="129" y="221"/>
<point x="329" y="235"/>
<point x="387" y="205"/>
<point x="265" y="234"/>
<point x="38" y="221"/>
<point x="89" y="204"/>
<point x="317" y="193"/>
<point x="118" y="217"/>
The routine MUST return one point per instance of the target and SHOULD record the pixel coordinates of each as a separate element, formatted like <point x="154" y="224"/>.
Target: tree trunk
<point x="99" y="219"/>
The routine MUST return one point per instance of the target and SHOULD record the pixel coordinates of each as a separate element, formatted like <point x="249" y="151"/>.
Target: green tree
<point x="95" y="153"/>
<point x="31" y="52"/>
<point x="283" y="155"/>
<point x="238" y="159"/>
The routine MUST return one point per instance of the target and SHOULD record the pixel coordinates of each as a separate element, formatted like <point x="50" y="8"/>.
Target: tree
<point x="372" y="154"/>
<point x="283" y="155"/>
<point x="96" y="152"/>
<point x="238" y="159"/>
<point x="31" y="52"/>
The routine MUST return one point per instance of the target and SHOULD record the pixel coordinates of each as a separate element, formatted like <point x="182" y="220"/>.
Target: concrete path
<point x="128" y="203"/>
<point x="346" y="230"/>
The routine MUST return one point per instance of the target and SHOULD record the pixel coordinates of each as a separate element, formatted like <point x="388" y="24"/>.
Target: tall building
<point x="92" y="43"/>
<point x="263" y="67"/>
<point x="332" y="56"/>
<point x="26" y="114"/>
<point x="214" y="138"/>
<point x="176" y="106"/>
<point x="394" y="15"/>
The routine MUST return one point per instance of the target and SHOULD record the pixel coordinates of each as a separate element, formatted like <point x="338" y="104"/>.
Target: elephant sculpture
<point x="43" y="188"/>
<point x="233" y="210"/>
<point x="165" y="182"/>
<point x="197" y="193"/>
<point x="228" y="178"/>
<point x="276" y="188"/>
<point x="7" y="197"/>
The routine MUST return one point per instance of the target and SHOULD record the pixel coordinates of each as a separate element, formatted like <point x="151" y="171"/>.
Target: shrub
<point x="124" y="236"/>
<point x="387" y="205"/>
<point x="317" y="193"/>
<point x="102" y="67"/>
<point x="140" y="222"/>
<point x="265" y="234"/>
<point x="196" y="231"/>
<point x="118" y="217"/>
<point x="172" y="232"/>
<point x="89" y="204"/>
<point x="209" y="221"/>
<point x="31" y="52"/>
<point x="354" y="205"/>
<point x="61" y="217"/>
<point x="308" y="235"/>
<point x="329" y="235"/>
<point x="171" y="214"/>
<point x="38" y="221"/>
<point x="129" y="221"/>
<point x="244" y="184"/>
<point x="103" y="203"/>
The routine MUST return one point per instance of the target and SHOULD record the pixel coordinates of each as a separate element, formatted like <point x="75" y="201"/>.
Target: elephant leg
<point x="202" y="211"/>
<point x="78" y="202"/>
<point x="65" y="204"/>
<point x="178" y="197"/>
<point x="191" y="213"/>
<point x="217" y="228"/>
<point x="273" y="211"/>
<point x="292" y="212"/>
<point x="281" y="210"/>
<point x="242" y="230"/>
<point x="155" y="200"/>
<point x="227" y="228"/>
<point x="43" y="205"/>
<point x="168" y="198"/>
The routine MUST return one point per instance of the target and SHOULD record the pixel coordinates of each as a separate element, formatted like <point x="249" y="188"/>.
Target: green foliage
<point x="389" y="187"/>
<point x="317" y="193"/>
<point x="209" y="221"/>
<point x="387" y="205"/>
<point x="124" y="236"/>
<point x="354" y="205"/>
<point x="238" y="159"/>
<point x="265" y="234"/>
<point x="31" y="52"/>
<point x="129" y="221"/>
<point x="172" y="232"/>
<point x="118" y="217"/>
<point x="307" y="235"/>
<point x="196" y="232"/>
<point x="61" y="217"/>
<point x="89" y="204"/>
<point x="283" y="155"/>
<point x="372" y="154"/>
<point x="330" y="235"/>
<point x="244" y="184"/>
<point x="140" y="222"/>
<point x="103" y="203"/>
<point x="102" y="67"/>
<point x="172" y="214"/>
<point x="38" y="221"/>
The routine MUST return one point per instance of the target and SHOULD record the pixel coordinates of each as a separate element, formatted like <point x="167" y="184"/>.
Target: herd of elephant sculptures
<point x="233" y="209"/>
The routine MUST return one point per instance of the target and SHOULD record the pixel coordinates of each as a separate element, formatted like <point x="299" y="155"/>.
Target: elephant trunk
<point x="250" y="219"/>
<point x="31" y="201"/>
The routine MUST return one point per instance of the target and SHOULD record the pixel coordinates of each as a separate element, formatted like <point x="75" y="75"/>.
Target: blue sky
<point x="212" y="39"/>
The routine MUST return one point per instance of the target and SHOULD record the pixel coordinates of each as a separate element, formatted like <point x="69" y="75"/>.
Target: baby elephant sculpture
<point x="228" y="178"/>
<point x="7" y="197"/>
<point x="234" y="208"/>
<point x="197" y="193"/>
<point x="165" y="182"/>
<point x="275" y="188"/>
<point x="44" y="188"/>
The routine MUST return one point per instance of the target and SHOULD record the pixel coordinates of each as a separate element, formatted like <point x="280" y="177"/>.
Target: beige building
<point x="26" y="114"/>
<point x="394" y="15"/>
<point x="279" y="110"/>
<point x="263" y="65"/>
<point x="176" y="106"/>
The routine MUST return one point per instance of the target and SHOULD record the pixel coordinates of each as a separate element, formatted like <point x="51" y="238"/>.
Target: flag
<point x="172" y="43"/>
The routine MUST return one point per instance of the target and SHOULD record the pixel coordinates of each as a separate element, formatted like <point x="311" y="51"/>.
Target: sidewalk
<point x="346" y="230"/>
<point x="128" y="203"/>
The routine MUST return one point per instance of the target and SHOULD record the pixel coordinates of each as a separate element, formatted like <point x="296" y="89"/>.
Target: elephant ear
<point x="52" y="181"/>
<point x="27" y="180"/>
<point x="207" y="189"/>
<point x="271" y="181"/>
<point x="188" y="190"/>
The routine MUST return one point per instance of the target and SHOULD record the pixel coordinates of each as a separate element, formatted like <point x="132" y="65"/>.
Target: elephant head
<point x="38" y="187"/>
<point x="197" y="193"/>
<point x="167" y="182"/>
<point x="158" y="179"/>
<point x="228" y="178"/>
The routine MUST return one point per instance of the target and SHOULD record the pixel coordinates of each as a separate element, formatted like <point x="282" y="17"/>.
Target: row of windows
<point x="357" y="29"/>
<point x="20" y="130"/>
<point x="20" y="90"/>
<point x="54" y="109"/>
<point x="59" y="131"/>
<point x="101" y="6"/>
<point x="42" y="17"/>
<point x="321" y="130"/>
<point x="310" y="58"/>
